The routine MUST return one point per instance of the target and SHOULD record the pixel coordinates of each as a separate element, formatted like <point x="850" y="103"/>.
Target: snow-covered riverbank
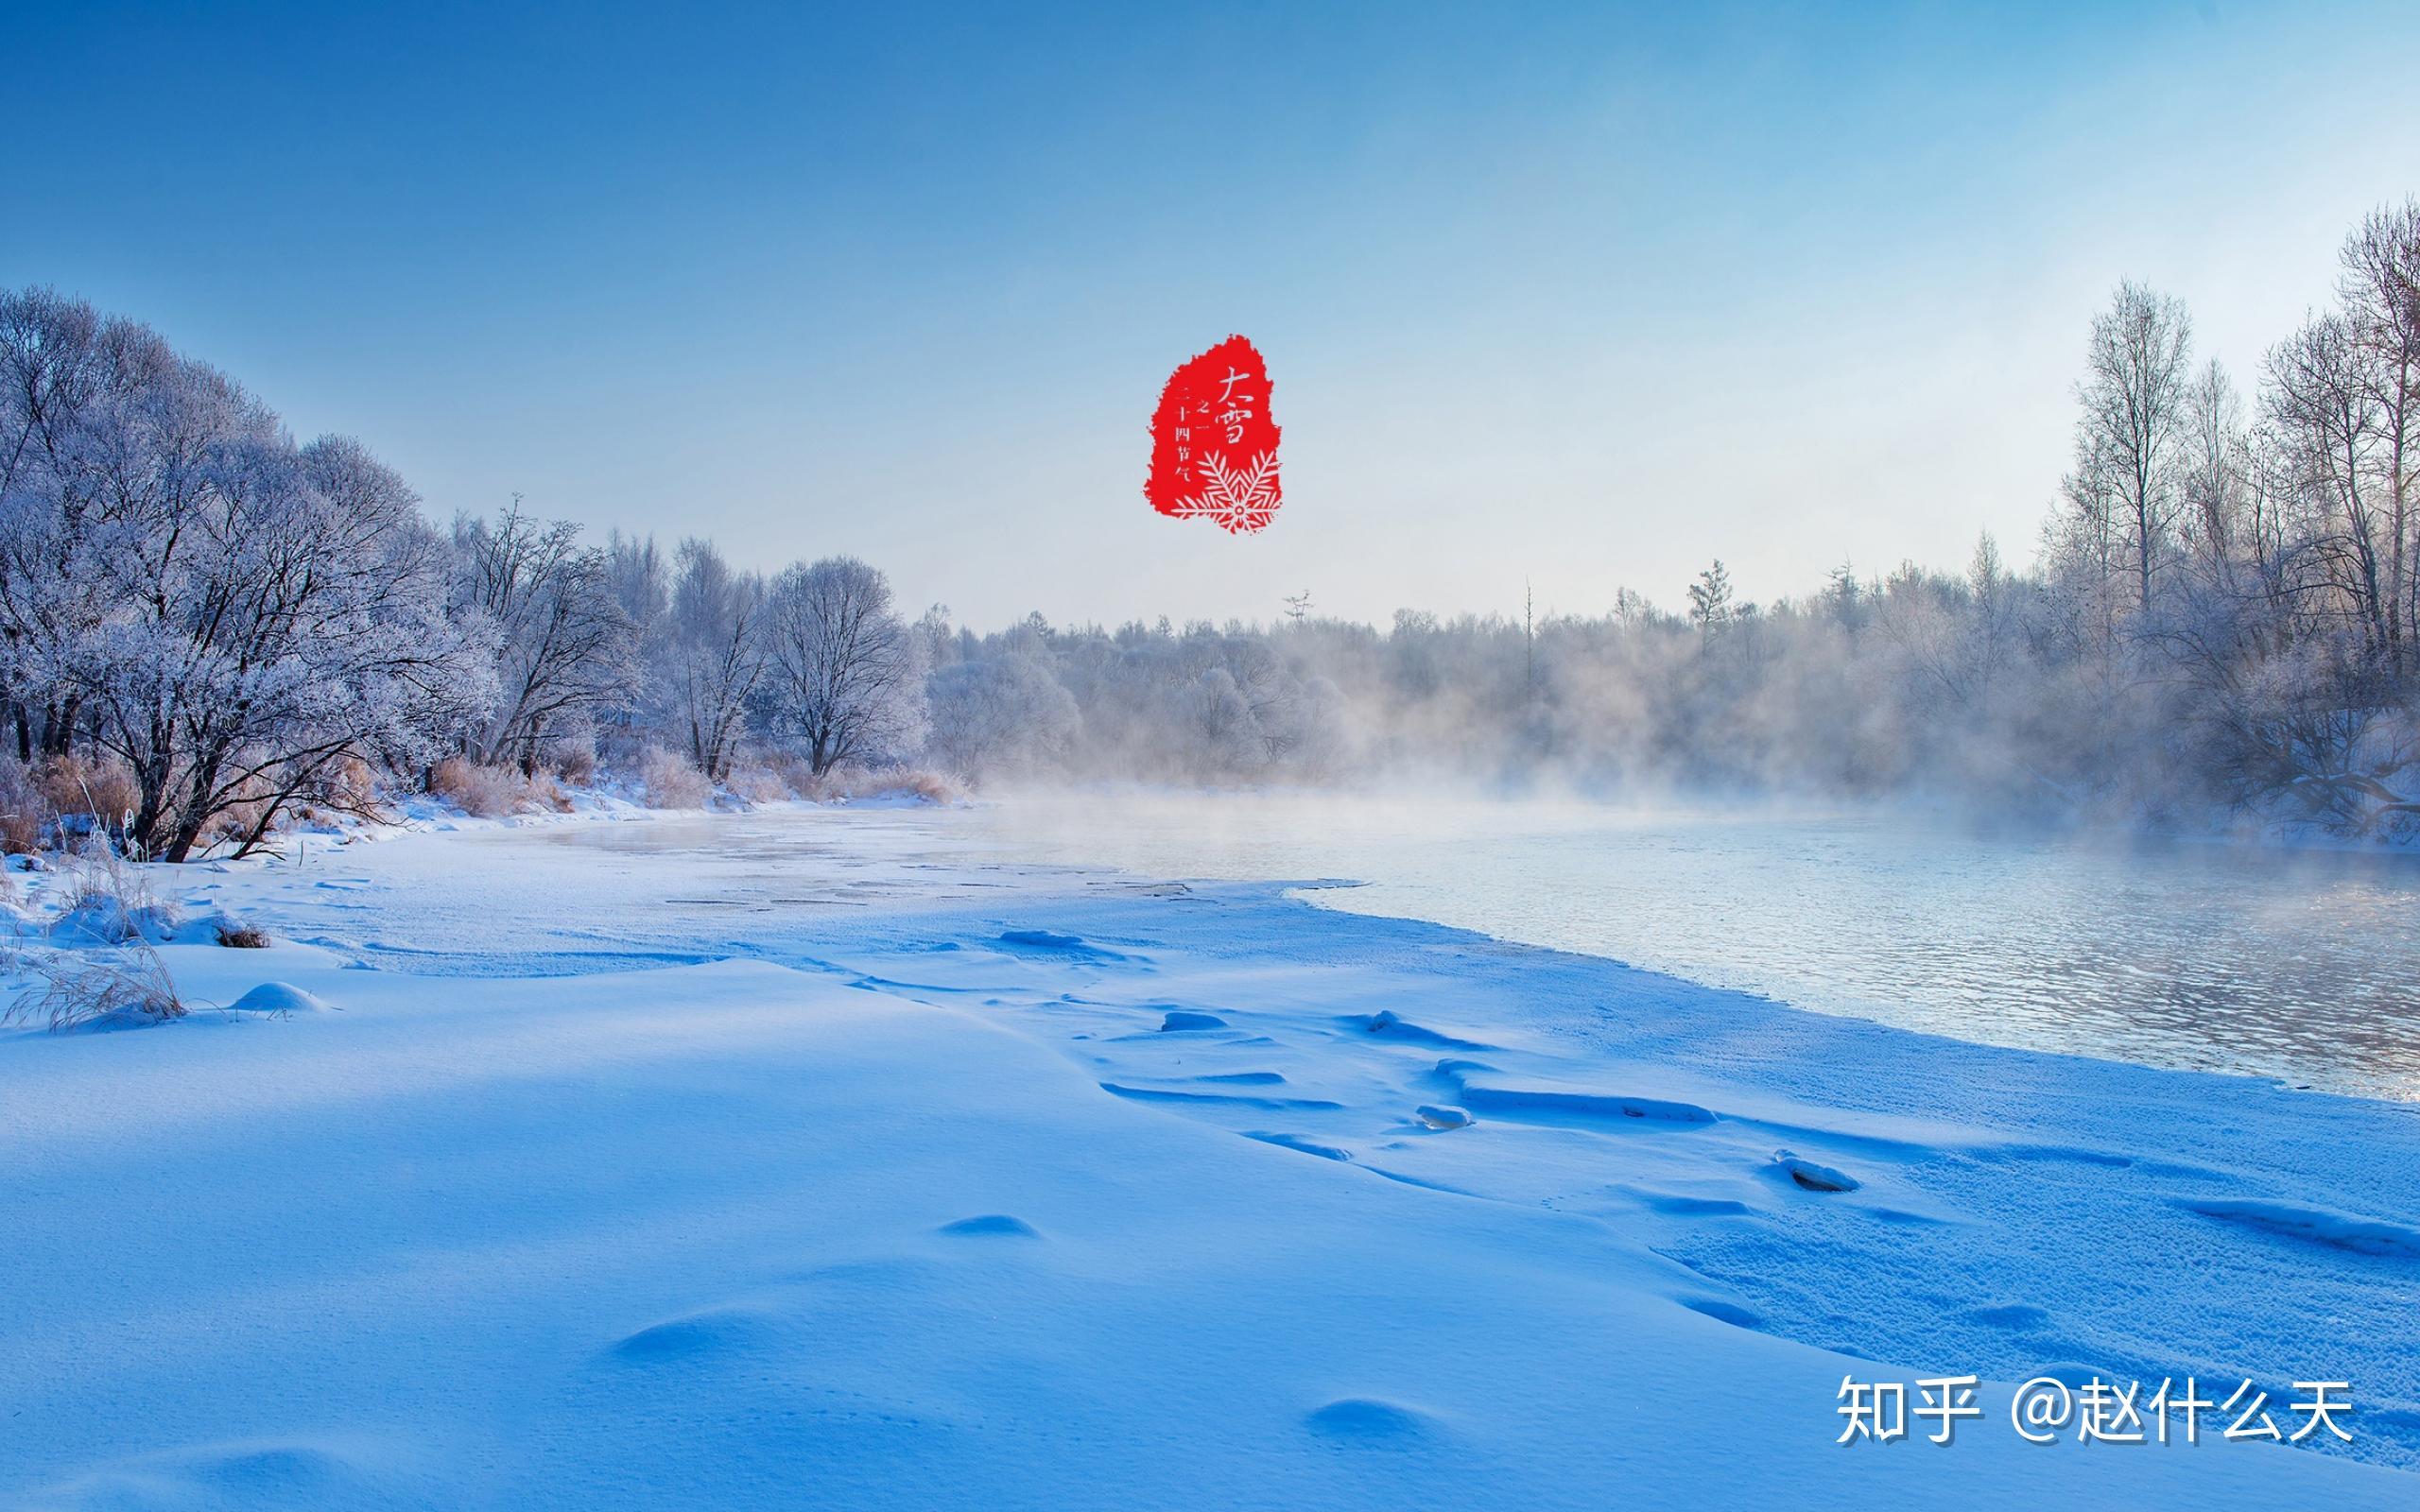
<point x="832" y="1166"/>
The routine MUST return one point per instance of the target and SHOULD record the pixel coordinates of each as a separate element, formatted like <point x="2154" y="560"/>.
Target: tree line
<point x="2222" y="619"/>
<point x="229" y="626"/>
<point x="2222" y="623"/>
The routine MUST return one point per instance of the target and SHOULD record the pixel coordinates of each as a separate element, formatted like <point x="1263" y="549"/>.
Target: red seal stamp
<point x="1213" y="444"/>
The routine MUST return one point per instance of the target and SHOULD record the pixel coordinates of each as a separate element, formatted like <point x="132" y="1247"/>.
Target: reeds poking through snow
<point x="74" y="988"/>
<point x="107" y="901"/>
<point x="101" y="966"/>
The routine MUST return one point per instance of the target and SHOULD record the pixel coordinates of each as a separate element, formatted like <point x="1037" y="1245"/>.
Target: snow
<point x="821" y="1160"/>
<point x="277" y="997"/>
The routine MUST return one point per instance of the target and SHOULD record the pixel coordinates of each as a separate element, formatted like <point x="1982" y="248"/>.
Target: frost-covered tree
<point x="231" y="616"/>
<point x="1003" y="715"/>
<point x="642" y="586"/>
<point x="844" y="676"/>
<point x="565" y="646"/>
<point x="2131" y="431"/>
<point x="1711" y="609"/>
<point x="75" y="390"/>
<point x="293" y="618"/>
<point x="714" y="654"/>
<point x="2379" y="286"/>
<point x="2217" y="466"/>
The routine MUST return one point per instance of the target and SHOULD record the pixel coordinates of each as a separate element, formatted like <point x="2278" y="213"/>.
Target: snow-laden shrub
<point x="487" y="792"/>
<point x="758" y="784"/>
<point x="577" y="752"/>
<point x="573" y="758"/>
<point x="918" y="782"/>
<point x="796" y="776"/>
<point x="26" y="812"/>
<point x="668" y="782"/>
<point x="861" y="784"/>
<point x="98" y="786"/>
<point x="353" y="788"/>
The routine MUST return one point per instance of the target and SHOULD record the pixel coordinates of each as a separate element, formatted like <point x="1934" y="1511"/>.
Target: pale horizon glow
<point x="1581" y="300"/>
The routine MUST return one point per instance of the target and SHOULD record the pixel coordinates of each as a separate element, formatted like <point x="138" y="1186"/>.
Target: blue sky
<point x="1580" y="294"/>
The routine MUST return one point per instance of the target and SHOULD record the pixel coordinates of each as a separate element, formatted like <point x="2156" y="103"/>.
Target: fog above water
<point x="2296" y="965"/>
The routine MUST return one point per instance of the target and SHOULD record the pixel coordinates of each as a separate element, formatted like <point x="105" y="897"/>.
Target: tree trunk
<point x="181" y="844"/>
<point x="152" y="805"/>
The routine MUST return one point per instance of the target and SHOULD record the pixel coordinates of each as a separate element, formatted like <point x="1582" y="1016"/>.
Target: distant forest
<point x="207" y="629"/>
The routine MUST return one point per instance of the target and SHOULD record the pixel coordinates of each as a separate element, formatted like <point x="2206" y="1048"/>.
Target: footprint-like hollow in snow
<point x="1723" y="1311"/>
<point x="1441" y="1116"/>
<point x="1046" y="942"/>
<point x="1371" y="1420"/>
<point x="2017" y="1317"/>
<point x="2312" y="1226"/>
<point x="1387" y="1025"/>
<point x="1297" y="1141"/>
<point x="260" y="1470"/>
<point x="991" y="1226"/>
<point x="1690" y="1205"/>
<point x="700" y="1335"/>
<point x="1533" y="1101"/>
<point x="1814" y="1177"/>
<point x="1165" y="1095"/>
<point x="253" y="1473"/>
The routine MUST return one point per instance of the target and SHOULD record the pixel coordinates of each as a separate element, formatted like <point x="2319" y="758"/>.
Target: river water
<point x="2302" y="966"/>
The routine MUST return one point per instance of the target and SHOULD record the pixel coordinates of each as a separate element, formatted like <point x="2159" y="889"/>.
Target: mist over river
<point x="2299" y="966"/>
